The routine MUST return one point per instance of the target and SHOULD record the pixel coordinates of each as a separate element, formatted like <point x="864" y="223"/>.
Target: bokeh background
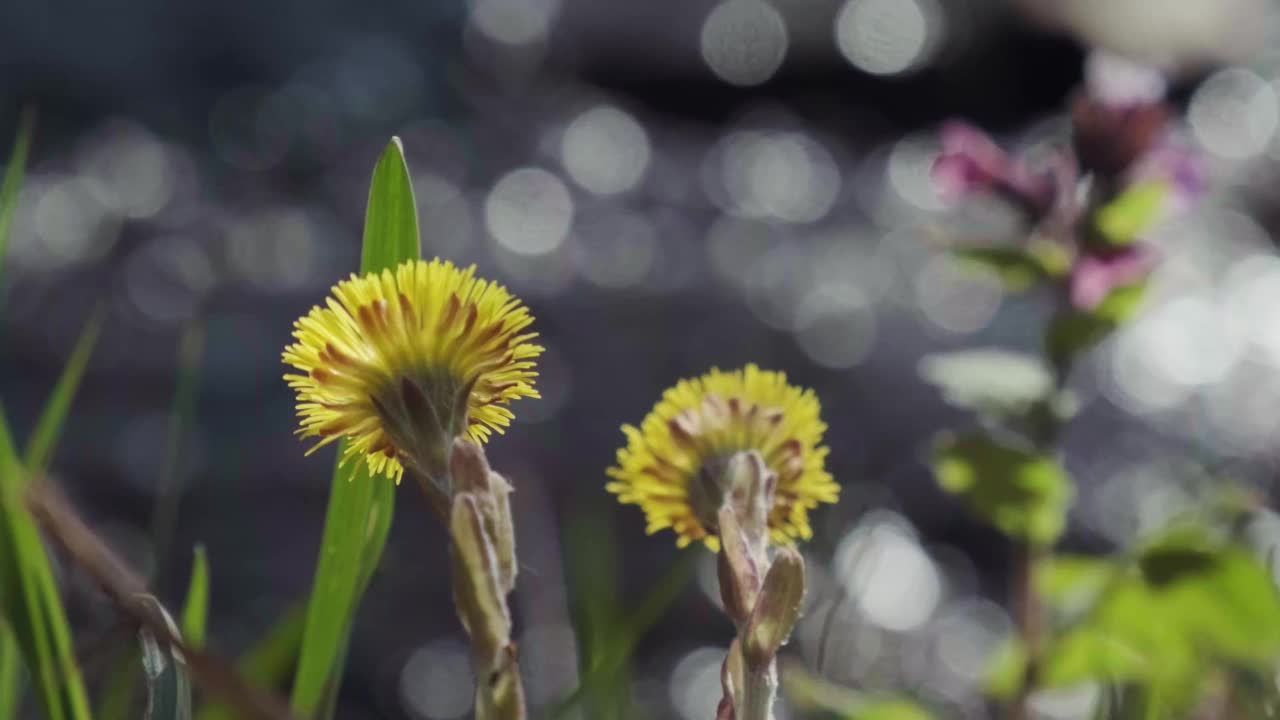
<point x="670" y="186"/>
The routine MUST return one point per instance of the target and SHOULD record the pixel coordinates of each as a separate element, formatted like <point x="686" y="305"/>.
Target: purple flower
<point x="1094" y="276"/>
<point x="971" y="163"/>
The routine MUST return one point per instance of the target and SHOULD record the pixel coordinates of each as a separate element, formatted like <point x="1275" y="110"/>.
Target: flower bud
<point x="477" y="583"/>
<point x="738" y="571"/>
<point x="777" y="609"/>
<point x="1109" y="139"/>
<point x="470" y="473"/>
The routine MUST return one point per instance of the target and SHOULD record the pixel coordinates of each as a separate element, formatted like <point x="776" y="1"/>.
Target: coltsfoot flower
<point x="675" y="464"/>
<point x="400" y="362"/>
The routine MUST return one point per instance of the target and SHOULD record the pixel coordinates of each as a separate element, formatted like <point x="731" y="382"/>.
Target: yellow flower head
<point x="674" y="464"/>
<point x="401" y="362"/>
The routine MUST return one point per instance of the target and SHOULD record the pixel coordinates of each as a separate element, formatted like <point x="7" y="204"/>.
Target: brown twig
<point x="128" y="592"/>
<point x="1028" y="617"/>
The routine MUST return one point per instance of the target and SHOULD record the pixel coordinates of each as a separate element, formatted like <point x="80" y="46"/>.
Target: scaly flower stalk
<point x="415" y="368"/>
<point x="733" y="459"/>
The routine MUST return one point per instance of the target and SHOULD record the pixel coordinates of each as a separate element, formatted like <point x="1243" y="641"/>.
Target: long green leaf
<point x="30" y="600"/>
<point x="606" y="669"/>
<point x="164" y="512"/>
<point x="10" y="673"/>
<point x="10" y="667"/>
<point x="49" y="426"/>
<point x="195" y="611"/>
<point x="14" y="174"/>
<point x="269" y="663"/>
<point x="360" y="506"/>
<point x="117" y="697"/>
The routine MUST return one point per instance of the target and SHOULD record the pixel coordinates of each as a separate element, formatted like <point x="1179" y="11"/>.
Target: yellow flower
<point x="401" y="362"/>
<point x="674" y="464"/>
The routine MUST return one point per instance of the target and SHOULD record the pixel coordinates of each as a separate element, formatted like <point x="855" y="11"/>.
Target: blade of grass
<point x="270" y="663"/>
<point x="48" y="428"/>
<point x="116" y="700"/>
<point x="10" y="667"/>
<point x="360" y="507"/>
<point x="195" y="611"/>
<point x="30" y="600"/>
<point x="595" y="598"/>
<point x="181" y="417"/>
<point x="631" y="630"/>
<point x="14" y="174"/>
<point x="10" y="673"/>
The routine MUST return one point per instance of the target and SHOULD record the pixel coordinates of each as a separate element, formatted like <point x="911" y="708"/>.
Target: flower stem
<point x="1028" y="609"/>
<point x="760" y="687"/>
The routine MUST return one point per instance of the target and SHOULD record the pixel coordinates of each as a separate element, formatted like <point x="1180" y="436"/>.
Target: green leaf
<point x="30" y="600"/>
<point x="10" y="673"/>
<point x="360" y="506"/>
<point x="1005" y="669"/>
<point x="14" y="174"/>
<point x="56" y="408"/>
<point x="808" y="692"/>
<point x="116" y="699"/>
<point x="1023" y="493"/>
<point x="269" y="663"/>
<point x="606" y="635"/>
<point x="988" y="379"/>
<point x="1071" y="583"/>
<point x="391" y="220"/>
<point x="1190" y="601"/>
<point x="1120" y="221"/>
<point x="1221" y="596"/>
<point x="1074" y="331"/>
<point x="165" y="671"/>
<point x="195" y="611"/>
<point x="1018" y="268"/>
<point x="1086" y="654"/>
<point x="164" y="511"/>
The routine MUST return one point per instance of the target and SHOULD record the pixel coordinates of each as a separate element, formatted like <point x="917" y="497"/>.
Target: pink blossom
<point x="1094" y="276"/>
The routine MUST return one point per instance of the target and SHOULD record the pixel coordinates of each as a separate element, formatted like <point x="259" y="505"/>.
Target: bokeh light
<point x="1234" y="114"/>
<point x="514" y="22"/>
<point x="957" y="299"/>
<point x="695" y="683"/>
<point x="436" y="682"/>
<point x="782" y="175"/>
<point x="835" y="325"/>
<point x="744" y="41"/>
<point x="891" y="578"/>
<point x="888" y="37"/>
<point x="605" y="150"/>
<point x="529" y="211"/>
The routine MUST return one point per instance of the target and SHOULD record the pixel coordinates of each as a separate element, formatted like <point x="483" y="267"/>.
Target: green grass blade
<point x="360" y="507"/>
<point x="49" y="426"/>
<point x="596" y="601"/>
<point x="29" y="598"/>
<point x="391" y="219"/>
<point x="14" y="174"/>
<point x="120" y="689"/>
<point x="268" y="664"/>
<point x="614" y="650"/>
<point x="195" y="611"/>
<point x="10" y="673"/>
<point x="181" y="417"/>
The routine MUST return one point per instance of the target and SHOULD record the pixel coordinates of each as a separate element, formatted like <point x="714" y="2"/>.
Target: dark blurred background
<point x="670" y="186"/>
